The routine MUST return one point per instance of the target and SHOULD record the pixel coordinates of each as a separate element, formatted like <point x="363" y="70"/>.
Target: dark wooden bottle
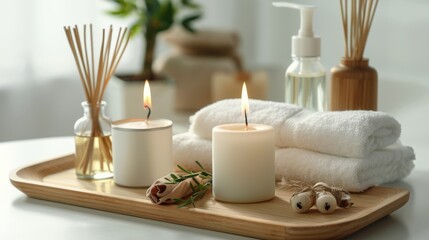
<point x="353" y="86"/>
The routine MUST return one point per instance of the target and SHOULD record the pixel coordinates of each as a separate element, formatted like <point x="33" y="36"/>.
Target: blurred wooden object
<point x="193" y="60"/>
<point x="353" y="86"/>
<point x="228" y="85"/>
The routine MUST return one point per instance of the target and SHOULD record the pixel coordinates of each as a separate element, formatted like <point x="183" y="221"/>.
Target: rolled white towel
<point x="346" y="133"/>
<point x="352" y="174"/>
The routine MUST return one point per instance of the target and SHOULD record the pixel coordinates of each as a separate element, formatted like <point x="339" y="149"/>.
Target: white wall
<point x="397" y="44"/>
<point x="33" y="50"/>
<point x="33" y="39"/>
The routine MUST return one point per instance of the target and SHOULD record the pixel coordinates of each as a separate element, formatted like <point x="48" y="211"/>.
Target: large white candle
<point x="141" y="148"/>
<point x="243" y="162"/>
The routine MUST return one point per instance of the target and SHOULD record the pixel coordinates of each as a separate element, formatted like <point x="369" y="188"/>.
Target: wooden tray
<point x="55" y="180"/>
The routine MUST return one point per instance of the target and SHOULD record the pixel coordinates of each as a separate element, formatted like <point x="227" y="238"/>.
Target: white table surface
<point x="22" y="217"/>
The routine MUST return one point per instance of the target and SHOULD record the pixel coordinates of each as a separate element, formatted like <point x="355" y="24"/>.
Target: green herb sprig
<point x="199" y="188"/>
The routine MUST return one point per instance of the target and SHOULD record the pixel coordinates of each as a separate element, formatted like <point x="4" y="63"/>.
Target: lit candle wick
<point x="245" y="119"/>
<point x="244" y="103"/>
<point x="148" y="113"/>
<point x="147" y="100"/>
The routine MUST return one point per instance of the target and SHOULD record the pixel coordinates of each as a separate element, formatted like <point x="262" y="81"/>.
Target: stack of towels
<point x="353" y="150"/>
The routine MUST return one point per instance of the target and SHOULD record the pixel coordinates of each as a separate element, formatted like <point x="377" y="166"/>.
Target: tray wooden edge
<point x="167" y="213"/>
<point x="372" y="215"/>
<point x="60" y="163"/>
<point x="347" y="226"/>
<point x="274" y="230"/>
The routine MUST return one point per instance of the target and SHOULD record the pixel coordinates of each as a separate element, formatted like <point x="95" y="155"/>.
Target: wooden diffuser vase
<point x="353" y="86"/>
<point x="354" y="82"/>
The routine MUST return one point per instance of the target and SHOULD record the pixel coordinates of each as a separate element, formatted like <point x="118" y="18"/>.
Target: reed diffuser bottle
<point x="92" y="131"/>
<point x="305" y="78"/>
<point x="353" y="82"/>
<point x="92" y="134"/>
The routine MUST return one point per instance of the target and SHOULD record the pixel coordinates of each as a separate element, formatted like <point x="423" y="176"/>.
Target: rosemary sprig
<point x="199" y="188"/>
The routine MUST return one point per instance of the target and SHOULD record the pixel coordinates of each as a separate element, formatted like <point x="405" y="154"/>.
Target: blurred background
<point x="40" y="92"/>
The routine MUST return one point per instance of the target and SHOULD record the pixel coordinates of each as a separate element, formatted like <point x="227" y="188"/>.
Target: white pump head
<point x="305" y="44"/>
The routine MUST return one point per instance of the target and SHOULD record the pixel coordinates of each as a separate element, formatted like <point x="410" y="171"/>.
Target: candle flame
<point x="147" y="100"/>
<point x="244" y="103"/>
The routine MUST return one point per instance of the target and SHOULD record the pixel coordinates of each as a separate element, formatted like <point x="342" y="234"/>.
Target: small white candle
<point x="243" y="161"/>
<point x="141" y="149"/>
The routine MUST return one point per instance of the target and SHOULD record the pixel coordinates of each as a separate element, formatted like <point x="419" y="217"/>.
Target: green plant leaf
<point x="123" y="8"/>
<point x="187" y="21"/>
<point x="165" y="16"/>
<point x="181" y="168"/>
<point x="135" y="28"/>
<point x="201" y="166"/>
<point x="152" y="6"/>
<point x="206" y="174"/>
<point x="118" y="1"/>
<point x="192" y="200"/>
<point x="198" y="183"/>
<point x="192" y="187"/>
<point x="190" y="4"/>
<point x="199" y="189"/>
<point x="192" y="175"/>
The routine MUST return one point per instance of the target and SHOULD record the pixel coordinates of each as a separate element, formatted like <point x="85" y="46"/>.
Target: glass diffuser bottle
<point x="92" y="134"/>
<point x="92" y="131"/>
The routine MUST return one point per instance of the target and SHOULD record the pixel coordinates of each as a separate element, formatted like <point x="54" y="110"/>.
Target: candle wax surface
<point x="241" y="128"/>
<point x="141" y="124"/>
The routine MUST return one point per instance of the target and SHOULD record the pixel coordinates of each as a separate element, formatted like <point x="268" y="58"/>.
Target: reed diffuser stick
<point x="357" y="21"/>
<point x="94" y="84"/>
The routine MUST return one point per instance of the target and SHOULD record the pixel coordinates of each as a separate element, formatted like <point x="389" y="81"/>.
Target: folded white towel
<point x="352" y="174"/>
<point x="346" y="133"/>
<point x="188" y="148"/>
<point x="355" y="175"/>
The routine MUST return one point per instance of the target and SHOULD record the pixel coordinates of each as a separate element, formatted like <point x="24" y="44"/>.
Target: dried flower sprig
<point x="201" y="183"/>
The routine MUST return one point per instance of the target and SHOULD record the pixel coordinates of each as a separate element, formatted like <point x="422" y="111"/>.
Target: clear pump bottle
<point x="306" y="83"/>
<point x="305" y="77"/>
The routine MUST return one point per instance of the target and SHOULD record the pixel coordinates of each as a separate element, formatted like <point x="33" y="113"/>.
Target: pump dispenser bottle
<point x="305" y="77"/>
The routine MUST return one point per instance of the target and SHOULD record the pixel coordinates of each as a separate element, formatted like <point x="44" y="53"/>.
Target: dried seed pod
<point x="326" y="202"/>
<point x="321" y="185"/>
<point x="344" y="199"/>
<point x="302" y="201"/>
